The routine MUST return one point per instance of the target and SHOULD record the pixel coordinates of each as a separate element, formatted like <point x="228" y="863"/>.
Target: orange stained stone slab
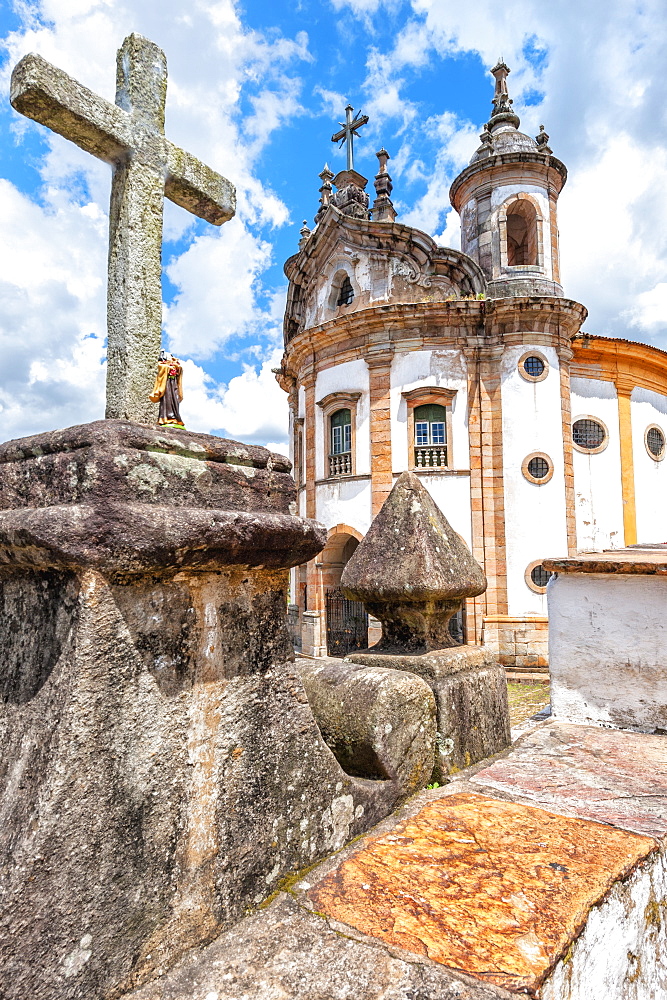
<point x="484" y="886"/>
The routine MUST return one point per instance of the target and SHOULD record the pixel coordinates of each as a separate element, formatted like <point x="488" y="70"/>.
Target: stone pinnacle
<point x="412" y="571"/>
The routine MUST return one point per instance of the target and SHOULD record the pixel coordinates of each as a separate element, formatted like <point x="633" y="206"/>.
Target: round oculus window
<point x="655" y="443"/>
<point x="589" y="434"/>
<point x="533" y="366"/>
<point x="537" y="468"/>
<point x="537" y="577"/>
<point x="540" y="576"/>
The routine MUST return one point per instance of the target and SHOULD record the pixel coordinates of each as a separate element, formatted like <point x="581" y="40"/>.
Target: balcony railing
<point x="433" y="457"/>
<point x="340" y="465"/>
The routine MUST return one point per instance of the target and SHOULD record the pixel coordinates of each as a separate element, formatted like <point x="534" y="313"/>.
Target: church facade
<point x="471" y="369"/>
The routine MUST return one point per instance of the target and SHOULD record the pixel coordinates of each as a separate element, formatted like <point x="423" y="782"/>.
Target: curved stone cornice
<point x="468" y="323"/>
<point x="554" y="168"/>
<point x="624" y="362"/>
<point x="436" y="270"/>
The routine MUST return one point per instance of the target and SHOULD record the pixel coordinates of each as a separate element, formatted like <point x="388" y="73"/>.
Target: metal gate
<point x="347" y="624"/>
<point x="457" y="626"/>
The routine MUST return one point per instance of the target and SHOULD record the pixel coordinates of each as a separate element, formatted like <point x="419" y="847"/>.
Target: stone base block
<point x="471" y="696"/>
<point x="160" y="767"/>
<point x="378" y="723"/>
<point x="518" y="643"/>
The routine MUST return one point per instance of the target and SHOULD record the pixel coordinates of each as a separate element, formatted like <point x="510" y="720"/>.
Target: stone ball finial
<point x="412" y="571"/>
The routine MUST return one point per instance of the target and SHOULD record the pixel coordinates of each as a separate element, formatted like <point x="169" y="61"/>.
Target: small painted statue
<point x="168" y="389"/>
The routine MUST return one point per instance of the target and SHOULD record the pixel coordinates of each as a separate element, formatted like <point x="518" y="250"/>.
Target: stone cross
<point x="146" y="167"/>
<point x="348" y="130"/>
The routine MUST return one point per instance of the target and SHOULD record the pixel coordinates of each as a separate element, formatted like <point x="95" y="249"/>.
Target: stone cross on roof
<point x="146" y="167"/>
<point x="348" y="131"/>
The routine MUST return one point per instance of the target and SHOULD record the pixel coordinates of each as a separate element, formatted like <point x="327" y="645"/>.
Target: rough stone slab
<point x="378" y="723"/>
<point x="470" y="689"/>
<point x="123" y="498"/>
<point x="122" y="540"/>
<point x="119" y="460"/>
<point x="635" y="559"/>
<point x="493" y="888"/>
<point x="612" y="776"/>
<point x="286" y="953"/>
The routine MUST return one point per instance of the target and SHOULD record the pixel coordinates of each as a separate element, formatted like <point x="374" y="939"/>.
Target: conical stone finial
<point x="412" y="571"/>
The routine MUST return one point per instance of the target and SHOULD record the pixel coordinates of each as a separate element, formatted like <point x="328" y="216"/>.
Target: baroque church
<point x="470" y="368"/>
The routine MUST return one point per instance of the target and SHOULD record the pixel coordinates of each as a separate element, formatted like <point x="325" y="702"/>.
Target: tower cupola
<point x="507" y="200"/>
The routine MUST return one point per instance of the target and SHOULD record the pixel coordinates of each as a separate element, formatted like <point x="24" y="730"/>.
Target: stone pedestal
<point x="608" y="638"/>
<point x="314" y="636"/>
<point x="471" y="698"/>
<point x="160" y="767"/>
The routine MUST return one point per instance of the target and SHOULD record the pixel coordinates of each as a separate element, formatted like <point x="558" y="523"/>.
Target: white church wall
<point x="650" y="476"/>
<point x="347" y="501"/>
<point x="452" y="495"/>
<point x="597" y="477"/>
<point x="534" y="515"/>
<point x="351" y="376"/>
<point x="414" y="369"/>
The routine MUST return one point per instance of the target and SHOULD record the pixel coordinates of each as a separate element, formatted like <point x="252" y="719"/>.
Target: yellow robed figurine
<point x="168" y="389"/>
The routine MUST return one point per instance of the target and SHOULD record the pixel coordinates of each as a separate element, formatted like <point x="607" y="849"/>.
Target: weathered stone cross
<point x="146" y="166"/>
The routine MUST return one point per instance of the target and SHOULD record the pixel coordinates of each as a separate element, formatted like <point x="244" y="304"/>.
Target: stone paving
<point x="538" y="874"/>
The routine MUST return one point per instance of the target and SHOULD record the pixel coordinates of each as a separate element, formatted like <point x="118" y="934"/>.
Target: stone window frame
<point x="524" y="374"/>
<point x="340" y="270"/>
<point x="329" y="405"/>
<point x="530" y="583"/>
<point x="298" y="466"/>
<point x="531" y="479"/>
<point x="539" y="236"/>
<point x="653" y="457"/>
<point x="440" y="396"/>
<point x="600" y="447"/>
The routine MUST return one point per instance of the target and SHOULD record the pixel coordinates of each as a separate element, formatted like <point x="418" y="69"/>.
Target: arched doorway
<point x="346" y="621"/>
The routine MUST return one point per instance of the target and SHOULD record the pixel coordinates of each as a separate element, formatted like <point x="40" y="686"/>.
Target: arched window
<point x="340" y="445"/>
<point x="521" y="233"/>
<point x="346" y="293"/>
<point x="430" y="422"/>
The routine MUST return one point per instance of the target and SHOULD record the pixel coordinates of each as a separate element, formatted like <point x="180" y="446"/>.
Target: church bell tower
<point x="507" y="198"/>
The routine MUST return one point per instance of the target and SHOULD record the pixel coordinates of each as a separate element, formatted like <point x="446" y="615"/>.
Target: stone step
<point x="526" y="676"/>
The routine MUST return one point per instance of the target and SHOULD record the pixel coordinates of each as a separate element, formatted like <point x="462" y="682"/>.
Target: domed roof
<point x="505" y="139"/>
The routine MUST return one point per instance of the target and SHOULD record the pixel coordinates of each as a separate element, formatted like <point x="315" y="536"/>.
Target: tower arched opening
<point x="521" y="227"/>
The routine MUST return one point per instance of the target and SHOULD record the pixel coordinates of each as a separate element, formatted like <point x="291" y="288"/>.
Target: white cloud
<point x="252" y="407"/>
<point x="216" y="279"/>
<point x="52" y="301"/>
<point x="651" y="308"/>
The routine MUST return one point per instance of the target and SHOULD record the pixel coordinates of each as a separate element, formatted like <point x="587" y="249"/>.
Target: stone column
<point x="379" y="368"/>
<point x="624" y="387"/>
<point x="565" y="356"/>
<point x="486" y="483"/>
<point x="308" y="379"/>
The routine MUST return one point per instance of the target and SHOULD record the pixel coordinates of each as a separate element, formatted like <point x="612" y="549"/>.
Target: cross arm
<point x="47" y="95"/>
<point x="195" y="187"/>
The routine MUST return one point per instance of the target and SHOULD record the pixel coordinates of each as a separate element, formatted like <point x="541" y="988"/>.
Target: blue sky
<point x="256" y="90"/>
